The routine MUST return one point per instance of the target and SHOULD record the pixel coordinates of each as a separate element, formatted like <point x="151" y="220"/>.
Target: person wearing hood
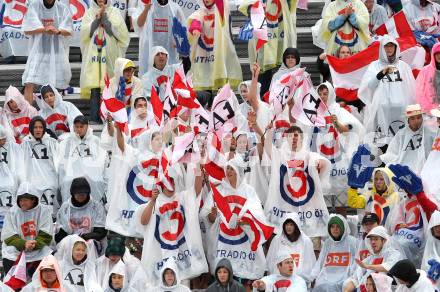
<point x="159" y="71"/>
<point x="410" y="279"/>
<point x="214" y="61"/>
<point x="47" y="23"/>
<point x="170" y="279"/>
<point x="297" y="180"/>
<point x="77" y="262"/>
<point x="171" y="215"/>
<point x="47" y="277"/>
<point x="28" y="227"/>
<point x="378" y="15"/>
<point x="116" y="253"/>
<point x="382" y="257"/>
<point x="292" y="240"/>
<point x="345" y="23"/>
<point x="412" y="144"/>
<point x="156" y="22"/>
<point x="59" y="114"/>
<point x="428" y="82"/>
<point x="431" y="255"/>
<point x="81" y="214"/>
<point x="387" y="88"/>
<point x="380" y="199"/>
<point x="40" y="155"/>
<point x="337" y="140"/>
<point x="378" y="282"/>
<point x="80" y="154"/>
<point x="18" y="112"/>
<point x="285" y="278"/>
<point x="336" y="259"/>
<point x="224" y="279"/>
<point x="239" y="233"/>
<point x="117" y="279"/>
<point x="11" y="170"/>
<point x="124" y="85"/>
<point x="104" y="38"/>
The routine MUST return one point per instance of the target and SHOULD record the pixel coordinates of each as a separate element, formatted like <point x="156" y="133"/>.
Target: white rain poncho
<point x="176" y="287"/>
<point x="297" y="186"/>
<point x="408" y="224"/>
<point x="301" y="250"/>
<point x="337" y="147"/>
<point x="336" y="260"/>
<point x="77" y="277"/>
<point x="81" y="220"/>
<point x="82" y="157"/>
<point x="48" y="57"/>
<point x="119" y="269"/>
<point x="133" y="88"/>
<point x="277" y="282"/>
<point x="18" y="122"/>
<point x="104" y="268"/>
<point x="354" y="35"/>
<point x="59" y="118"/>
<point x="27" y="225"/>
<point x="432" y="247"/>
<point x="430" y="171"/>
<point x="100" y="51"/>
<point x="157" y="31"/>
<point x="410" y="148"/>
<point x="40" y="158"/>
<point x="387" y="257"/>
<point x="237" y="243"/>
<point x="36" y="285"/>
<point x="386" y="99"/>
<point x="132" y="177"/>
<point x="173" y="232"/>
<point x="11" y="172"/>
<point x="423" y="18"/>
<point x="155" y="77"/>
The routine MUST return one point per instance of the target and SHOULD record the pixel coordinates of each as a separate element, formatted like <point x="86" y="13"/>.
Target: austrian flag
<point x="115" y="107"/>
<point x="259" y="22"/>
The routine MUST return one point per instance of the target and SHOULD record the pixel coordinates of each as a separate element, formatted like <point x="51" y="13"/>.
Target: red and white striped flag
<point x="347" y="73"/>
<point x="16" y="277"/>
<point x="309" y="109"/>
<point x="259" y="23"/>
<point x="115" y="107"/>
<point x="183" y="91"/>
<point x="216" y="159"/>
<point x="261" y="230"/>
<point x="157" y="106"/>
<point x="184" y="148"/>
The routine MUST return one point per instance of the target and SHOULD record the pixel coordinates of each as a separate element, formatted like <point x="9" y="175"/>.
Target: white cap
<point x="282" y="255"/>
<point x="413" y="110"/>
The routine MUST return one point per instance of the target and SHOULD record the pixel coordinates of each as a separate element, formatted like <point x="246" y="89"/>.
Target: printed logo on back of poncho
<point x="296" y="185"/>
<point x="142" y="180"/>
<point x="170" y="222"/>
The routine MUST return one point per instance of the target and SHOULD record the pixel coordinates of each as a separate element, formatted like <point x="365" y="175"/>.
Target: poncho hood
<point x="42" y="104"/>
<point x="386" y="39"/>
<point x="336" y="218"/>
<point x="47" y="262"/>
<point x="120" y="269"/>
<point x="154" y="51"/>
<point x="387" y="174"/>
<point x="12" y="93"/>
<point x="239" y="166"/>
<point x="169" y="264"/>
<point x="26" y="189"/>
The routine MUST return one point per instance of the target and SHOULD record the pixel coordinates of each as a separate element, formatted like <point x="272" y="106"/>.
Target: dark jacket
<point x="232" y="286"/>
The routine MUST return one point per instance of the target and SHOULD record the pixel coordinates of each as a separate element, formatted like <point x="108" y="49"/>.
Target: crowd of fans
<point x="185" y="188"/>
